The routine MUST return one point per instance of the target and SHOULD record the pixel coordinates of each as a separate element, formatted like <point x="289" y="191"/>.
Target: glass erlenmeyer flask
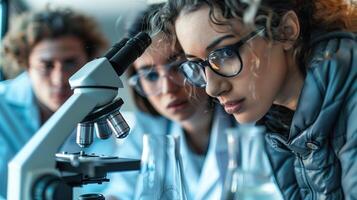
<point x="249" y="175"/>
<point x="161" y="176"/>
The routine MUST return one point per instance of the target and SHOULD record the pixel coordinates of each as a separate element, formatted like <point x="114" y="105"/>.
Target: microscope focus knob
<point x="51" y="187"/>
<point x="91" y="197"/>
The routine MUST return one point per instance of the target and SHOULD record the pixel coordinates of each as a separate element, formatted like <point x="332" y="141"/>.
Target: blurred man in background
<point x="50" y="45"/>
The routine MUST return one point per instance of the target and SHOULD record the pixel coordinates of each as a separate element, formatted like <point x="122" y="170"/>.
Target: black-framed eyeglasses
<point x="225" y="61"/>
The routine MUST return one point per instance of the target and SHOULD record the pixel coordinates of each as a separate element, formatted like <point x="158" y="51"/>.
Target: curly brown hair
<point x="29" y="28"/>
<point x="142" y="24"/>
<point x="314" y="15"/>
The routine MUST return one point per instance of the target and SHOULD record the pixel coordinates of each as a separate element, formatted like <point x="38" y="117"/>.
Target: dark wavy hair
<point x="29" y="28"/>
<point x="142" y="24"/>
<point x="314" y="15"/>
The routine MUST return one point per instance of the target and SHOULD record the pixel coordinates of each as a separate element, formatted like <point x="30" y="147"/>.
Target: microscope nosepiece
<point x="118" y="124"/>
<point x="84" y="134"/>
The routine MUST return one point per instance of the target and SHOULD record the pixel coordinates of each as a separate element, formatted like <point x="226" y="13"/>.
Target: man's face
<point x="51" y="63"/>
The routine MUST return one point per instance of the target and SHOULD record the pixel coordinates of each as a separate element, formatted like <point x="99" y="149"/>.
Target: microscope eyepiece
<point x="92" y="196"/>
<point x="130" y="52"/>
<point x="115" y="48"/>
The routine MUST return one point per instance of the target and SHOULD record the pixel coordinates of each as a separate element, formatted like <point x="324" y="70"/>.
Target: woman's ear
<point x="289" y="29"/>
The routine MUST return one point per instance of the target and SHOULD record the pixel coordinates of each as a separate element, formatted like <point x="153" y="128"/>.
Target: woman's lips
<point x="177" y="105"/>
<point x="233" y="106"/>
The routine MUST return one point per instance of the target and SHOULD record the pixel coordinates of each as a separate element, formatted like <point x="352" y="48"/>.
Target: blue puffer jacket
<point x="316" y="156"/>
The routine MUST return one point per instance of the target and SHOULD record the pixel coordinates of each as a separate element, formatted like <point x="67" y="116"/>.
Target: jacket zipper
<point x="305" y="178"/>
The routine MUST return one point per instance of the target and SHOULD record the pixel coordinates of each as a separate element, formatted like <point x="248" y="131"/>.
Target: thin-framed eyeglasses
<point x="149" y="81"/>
<point x="225" y="61"/>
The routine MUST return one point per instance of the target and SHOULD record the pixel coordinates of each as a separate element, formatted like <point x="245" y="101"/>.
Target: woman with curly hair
<point x="168" y="105"/>
<point x="290" y="65"/>
<point x="50" y="45"/>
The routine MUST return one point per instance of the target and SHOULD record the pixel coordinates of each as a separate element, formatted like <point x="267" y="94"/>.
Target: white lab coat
<point x="19" y="121"/>
<point x="203" y="184"/>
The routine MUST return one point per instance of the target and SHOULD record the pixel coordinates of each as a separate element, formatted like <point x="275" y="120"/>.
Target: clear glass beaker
<point x="249" y="175"/>
<point x="161" y="175"/>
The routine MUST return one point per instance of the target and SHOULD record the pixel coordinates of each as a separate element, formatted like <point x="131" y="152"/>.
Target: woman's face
<point x="250" y="94"/>
<point x="173" y="98"/>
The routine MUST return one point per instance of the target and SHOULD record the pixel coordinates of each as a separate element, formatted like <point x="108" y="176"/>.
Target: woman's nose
<point x="168" y="86"/>
<point x="216" y="85"/>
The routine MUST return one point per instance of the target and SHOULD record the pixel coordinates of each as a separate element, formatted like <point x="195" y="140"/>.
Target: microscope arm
<point x="95" y="85"/>
<point x="98" y="86"/>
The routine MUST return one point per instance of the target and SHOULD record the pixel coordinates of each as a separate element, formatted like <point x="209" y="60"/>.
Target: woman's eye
<point x="152" y="76"/>
<point x="227" y="54"/>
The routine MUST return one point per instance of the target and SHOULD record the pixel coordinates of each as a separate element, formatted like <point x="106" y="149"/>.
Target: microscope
<point x="37" y="172"/>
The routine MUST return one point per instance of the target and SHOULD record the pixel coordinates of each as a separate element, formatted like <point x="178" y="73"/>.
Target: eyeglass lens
<point x="225" y="62"/>
<point x="149" y="82"/>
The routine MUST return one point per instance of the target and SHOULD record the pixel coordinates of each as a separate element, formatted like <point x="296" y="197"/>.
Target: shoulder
<point x="16" y="89"/>
<point x="147" y="122"/>
<point x="330" y="83"/>
<point x="333" y="61"/>
<point x="17" y="103"/>
<point x="4" y="87"/>
<point x="334" y="50"/>
<point x="6" y="91"/>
